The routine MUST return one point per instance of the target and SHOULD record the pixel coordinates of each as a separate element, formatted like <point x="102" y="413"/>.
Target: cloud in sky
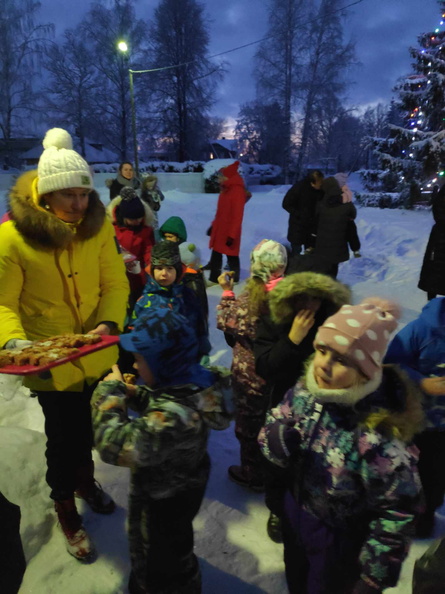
<point x="382" y="29"/>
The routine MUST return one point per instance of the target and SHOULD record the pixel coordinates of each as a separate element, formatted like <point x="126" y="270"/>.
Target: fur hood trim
<point x="42" y="227"/>
<point x="394" y="408"/>
<point x="111" y="211"/>
<point x="282" y="297"/>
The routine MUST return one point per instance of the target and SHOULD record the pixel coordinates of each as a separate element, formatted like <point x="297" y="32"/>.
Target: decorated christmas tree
<point x="415" y="150"/>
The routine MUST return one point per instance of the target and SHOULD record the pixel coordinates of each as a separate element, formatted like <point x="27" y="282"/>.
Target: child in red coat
<point x="132" y="220"/>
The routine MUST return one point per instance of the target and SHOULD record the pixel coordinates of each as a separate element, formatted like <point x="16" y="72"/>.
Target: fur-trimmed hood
<point x="282" y="298"/>
<point x="41" y="226"/>
<point x="111" y="212"/>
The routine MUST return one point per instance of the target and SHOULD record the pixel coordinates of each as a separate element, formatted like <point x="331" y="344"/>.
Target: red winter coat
<point x="229" y="213"/>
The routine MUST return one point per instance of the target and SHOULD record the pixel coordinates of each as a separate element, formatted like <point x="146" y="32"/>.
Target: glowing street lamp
<point x="123" y="47"/>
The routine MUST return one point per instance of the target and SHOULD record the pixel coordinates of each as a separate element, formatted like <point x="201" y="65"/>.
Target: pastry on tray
<point x="48" y="350"/>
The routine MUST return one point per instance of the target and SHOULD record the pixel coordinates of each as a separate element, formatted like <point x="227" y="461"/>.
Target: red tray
<point x="106" y="341"/>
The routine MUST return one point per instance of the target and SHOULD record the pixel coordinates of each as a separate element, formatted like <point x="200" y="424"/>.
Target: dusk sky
<point x="382" y="29"/>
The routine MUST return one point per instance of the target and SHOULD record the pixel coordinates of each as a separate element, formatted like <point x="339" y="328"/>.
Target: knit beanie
<point x="268" y="260"/>
<point x="168" y="343"/>
<point x="166" y="253"/>
<point x="60" y="167"/>
<point x="361" y="333"/>
<point x="130" y="206"/>
<point x="190" y="255"/>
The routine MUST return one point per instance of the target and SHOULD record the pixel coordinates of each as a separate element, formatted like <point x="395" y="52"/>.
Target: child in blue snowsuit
<point x="164" y="288"/>
<point x="419" y="348"/>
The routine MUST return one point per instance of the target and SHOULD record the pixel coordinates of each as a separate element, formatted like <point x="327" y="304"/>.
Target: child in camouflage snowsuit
<point x="165" y="447"/>
<point x="345" y="432"/>
<point x="237" y="318"/>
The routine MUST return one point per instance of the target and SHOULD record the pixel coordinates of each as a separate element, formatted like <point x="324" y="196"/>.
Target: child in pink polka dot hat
<point x="344" y="434"/>
<point x="361" y="333"/>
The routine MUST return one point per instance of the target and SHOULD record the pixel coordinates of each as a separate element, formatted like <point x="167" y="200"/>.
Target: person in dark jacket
<point x="432" y="274"/>
<point x="419" y="348"/>
<point x="345" y="432"/>
<point x="333" y="219"/>
<point x="301" y="204"/>
<point x="299" y="304"/>
<point x="165" y="446"/>
<point x="125" y="178"/>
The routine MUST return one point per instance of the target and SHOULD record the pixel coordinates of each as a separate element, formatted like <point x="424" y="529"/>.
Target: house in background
<point x="223" y="148"/>
<point x="95" y="152"/>
<point x="11" y="150"/>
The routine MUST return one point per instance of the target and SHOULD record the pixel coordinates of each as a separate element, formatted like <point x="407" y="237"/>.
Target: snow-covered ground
<point x="231" y="540"/>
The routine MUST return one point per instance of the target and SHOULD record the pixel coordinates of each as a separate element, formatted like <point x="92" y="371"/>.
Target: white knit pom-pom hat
<point x="60" y="167"/>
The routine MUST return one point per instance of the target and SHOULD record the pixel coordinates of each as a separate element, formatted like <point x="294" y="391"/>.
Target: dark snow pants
<point x="69" y="435"/>
<point x="431" y="446"/>
<point x="250" y="415"/>
<point x="216" y="266"/>
<point x="161" y="543"/>
<point x="318" y="559"/>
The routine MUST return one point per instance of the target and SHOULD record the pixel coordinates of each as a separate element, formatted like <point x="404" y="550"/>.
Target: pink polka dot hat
<point x="361" y="333"/>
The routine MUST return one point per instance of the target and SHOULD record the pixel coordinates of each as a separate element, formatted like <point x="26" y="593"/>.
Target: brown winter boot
<point x="78" y="543"/>
<point x="91" y="491"/>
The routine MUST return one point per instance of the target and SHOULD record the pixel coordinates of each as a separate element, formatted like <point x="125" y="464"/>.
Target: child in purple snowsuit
<point x="345" y="432"/>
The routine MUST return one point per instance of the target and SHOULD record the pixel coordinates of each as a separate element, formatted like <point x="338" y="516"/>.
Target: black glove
<point x="209" y="231"/>
<point x="229" y="241"/>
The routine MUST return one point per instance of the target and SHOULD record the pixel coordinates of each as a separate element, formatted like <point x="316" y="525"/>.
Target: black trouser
<point x="352" y="236"/>
<point x="12" y="558"/>
<point x="431" y="446"/>
<point x="69" y="435"/>
<point x="216" y="266"/>
<point x="161" y="543"/>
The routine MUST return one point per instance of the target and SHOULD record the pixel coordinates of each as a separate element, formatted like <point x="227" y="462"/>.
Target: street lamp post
<point x="123" y="47"/>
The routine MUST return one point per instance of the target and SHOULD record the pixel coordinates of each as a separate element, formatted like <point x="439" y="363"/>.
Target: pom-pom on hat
<point x="166" y="253"/>
<point x="130" y="206"/>
<point x="361" y="333"/>
<point x="268" y="260"/>
<point x="190" y="255"/>
<point x="60" y="167"/>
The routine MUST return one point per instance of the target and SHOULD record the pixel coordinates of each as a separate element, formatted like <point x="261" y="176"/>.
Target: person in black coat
<point x="301" y="203"/>
<point x="432" y="274"/>
<point x="298" y="305"/>
<point x="125" y="178"/>
<point x="333" y="217"/>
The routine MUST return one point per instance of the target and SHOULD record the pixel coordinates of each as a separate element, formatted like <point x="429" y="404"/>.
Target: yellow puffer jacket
<point x="57" y="278"/>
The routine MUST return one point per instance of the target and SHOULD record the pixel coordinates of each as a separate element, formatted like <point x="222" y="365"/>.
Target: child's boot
<point x="78" y="543"/>
<point x="91" y="491"/>
<point x="244" y="478"/>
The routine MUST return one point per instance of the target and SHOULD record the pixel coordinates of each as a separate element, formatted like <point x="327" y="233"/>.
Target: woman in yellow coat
<point x="61" y="273"/>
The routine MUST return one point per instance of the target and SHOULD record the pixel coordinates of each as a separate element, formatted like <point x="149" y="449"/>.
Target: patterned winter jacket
<point x="179" y="298"/>
<point x="233" y="318"/>
<point x="419" y="348"/>
<point x="354" y="467"/>
<point x="166" y="446"/>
